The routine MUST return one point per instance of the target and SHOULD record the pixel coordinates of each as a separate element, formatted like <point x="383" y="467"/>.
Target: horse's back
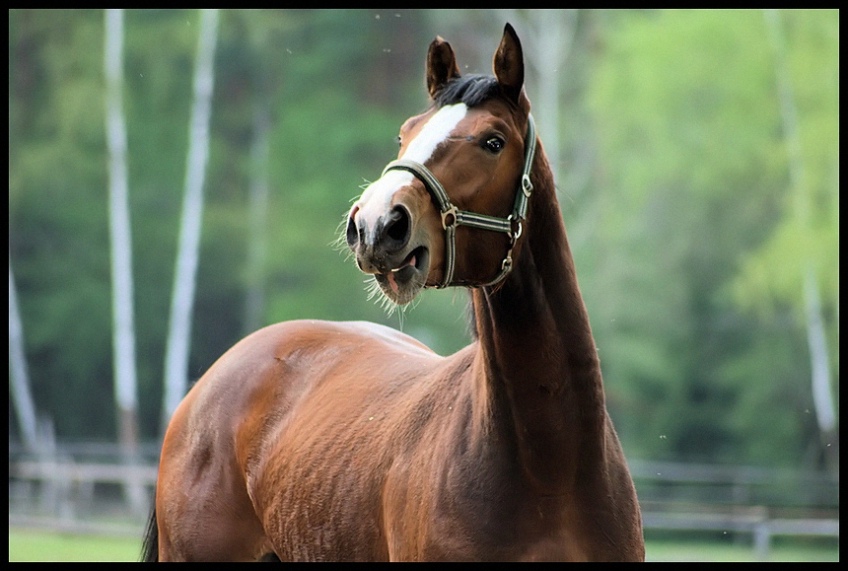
<point x="282" y="399"/>
<point x="252" y="387"/>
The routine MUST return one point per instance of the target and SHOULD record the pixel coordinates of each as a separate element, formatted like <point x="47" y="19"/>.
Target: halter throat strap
<point x="453" y="217"/>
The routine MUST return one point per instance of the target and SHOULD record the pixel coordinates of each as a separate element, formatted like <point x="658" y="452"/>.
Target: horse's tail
<point x="150" y="543"/>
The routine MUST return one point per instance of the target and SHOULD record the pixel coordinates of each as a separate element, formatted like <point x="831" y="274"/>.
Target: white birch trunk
<point x="814" y="322"/>
<point x="18" y="374"/>
<point x="119" y="226"/>
<point x="123" y="336"/>
<point x="182" y="302"/>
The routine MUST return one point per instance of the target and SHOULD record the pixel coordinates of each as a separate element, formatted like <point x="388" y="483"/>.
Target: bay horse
<point x="324" y="441"/>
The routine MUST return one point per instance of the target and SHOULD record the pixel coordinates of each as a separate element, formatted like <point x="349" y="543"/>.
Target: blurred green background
<point x="697" y="162"/>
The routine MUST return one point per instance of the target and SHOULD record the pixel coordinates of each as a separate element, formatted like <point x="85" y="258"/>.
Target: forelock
<point x="471" y="89"/>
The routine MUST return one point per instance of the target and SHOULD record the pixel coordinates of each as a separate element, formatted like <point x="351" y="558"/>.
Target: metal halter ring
<point x="449" y="213"/>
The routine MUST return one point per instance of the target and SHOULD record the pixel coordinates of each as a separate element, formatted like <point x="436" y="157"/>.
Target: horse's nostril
<point x="398" y="226"/>
<point x="352" y="233"/>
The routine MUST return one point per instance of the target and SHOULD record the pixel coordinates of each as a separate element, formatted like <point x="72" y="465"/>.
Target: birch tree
<point x="123" y="333"/>
<point x="123" y="336"/>
<point x="182" y="301"/>
<point x="18" y="374"/>
<point x="811" y="297"/>
<point x="692" y="172"/>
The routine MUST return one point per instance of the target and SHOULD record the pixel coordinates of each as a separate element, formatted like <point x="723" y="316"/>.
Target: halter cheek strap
<point x="453" y="217"/>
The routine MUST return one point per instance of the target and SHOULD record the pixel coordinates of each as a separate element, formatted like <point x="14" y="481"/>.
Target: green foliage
<point x="56" y="239"/>
<point x="334" y="117"/>
<point x="695" y="173"/>
<point x="809" y="228"/>
<point x="685" y="227"/>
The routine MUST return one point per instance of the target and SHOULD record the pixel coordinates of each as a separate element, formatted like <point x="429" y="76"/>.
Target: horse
<point x="350" y="441"/>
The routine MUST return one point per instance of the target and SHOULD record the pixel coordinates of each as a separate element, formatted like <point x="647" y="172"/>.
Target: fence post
<point x="762" y="535"/>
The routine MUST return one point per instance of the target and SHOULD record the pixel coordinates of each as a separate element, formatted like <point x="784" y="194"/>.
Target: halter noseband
<point x="453" y="217"/>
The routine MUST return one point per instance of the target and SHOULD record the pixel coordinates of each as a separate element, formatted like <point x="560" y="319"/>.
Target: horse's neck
<point x="537" y="356"/>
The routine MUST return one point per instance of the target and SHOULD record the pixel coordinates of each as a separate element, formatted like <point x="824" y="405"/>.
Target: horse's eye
<point x="494" y="144"/>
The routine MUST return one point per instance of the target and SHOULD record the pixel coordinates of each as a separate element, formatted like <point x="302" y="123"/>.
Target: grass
<point x="38" y="545"/>
<point x="718" y="551"/>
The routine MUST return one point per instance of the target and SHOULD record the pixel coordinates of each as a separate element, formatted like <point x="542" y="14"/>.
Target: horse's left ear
<point x="509" y="63"/>
<point x="441" y="65"/>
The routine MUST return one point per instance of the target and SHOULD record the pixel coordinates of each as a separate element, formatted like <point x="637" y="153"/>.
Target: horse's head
<point x="449" y="210"/>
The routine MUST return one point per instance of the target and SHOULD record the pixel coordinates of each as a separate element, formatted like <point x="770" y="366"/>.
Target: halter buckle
<point x="450" y="212"/>
<point x="526" y="185"/>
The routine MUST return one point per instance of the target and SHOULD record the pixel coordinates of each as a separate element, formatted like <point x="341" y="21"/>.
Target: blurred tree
<point x="185" y="275"/>
<point x="123" y="323"/>
<point x="687" y="116"/>
<point x="673" y="182"/>
<point x="353" y="78"/>
<point x="58" y="227"/>
<point x="123" y="332"/>
<point x="805" y="253"/>
<point x="21" y="400"/>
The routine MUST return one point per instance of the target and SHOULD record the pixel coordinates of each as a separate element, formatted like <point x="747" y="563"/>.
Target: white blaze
<point x="376" y="200"/>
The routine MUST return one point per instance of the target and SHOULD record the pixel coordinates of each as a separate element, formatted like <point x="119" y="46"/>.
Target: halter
<point x="453" y="217"/>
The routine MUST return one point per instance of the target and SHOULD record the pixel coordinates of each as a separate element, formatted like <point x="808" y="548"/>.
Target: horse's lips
<point x="391" y="275"/>
<point x="409" y="262"/>
<point x="402" y="283"/>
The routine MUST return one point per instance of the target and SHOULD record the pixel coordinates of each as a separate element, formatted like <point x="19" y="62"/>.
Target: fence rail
<point x="760" y="522"/>
<point x="59" y="490"/>
<point x="67" y="490"/>
<point x="77" y="473"/>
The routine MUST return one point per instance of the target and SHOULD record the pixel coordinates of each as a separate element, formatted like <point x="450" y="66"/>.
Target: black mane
<point x="472" y="89"/>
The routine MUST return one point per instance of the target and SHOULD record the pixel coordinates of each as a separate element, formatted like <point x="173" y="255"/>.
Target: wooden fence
<point x="753" y="502"/>
<point x="68" y="489"/>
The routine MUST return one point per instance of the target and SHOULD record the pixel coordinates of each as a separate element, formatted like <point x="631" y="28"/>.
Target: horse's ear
<point x="441" y="65"/>
<point x="509" y="63"/>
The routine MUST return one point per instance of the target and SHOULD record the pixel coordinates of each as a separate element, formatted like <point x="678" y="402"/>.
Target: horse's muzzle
<point x="381" y="249"/>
